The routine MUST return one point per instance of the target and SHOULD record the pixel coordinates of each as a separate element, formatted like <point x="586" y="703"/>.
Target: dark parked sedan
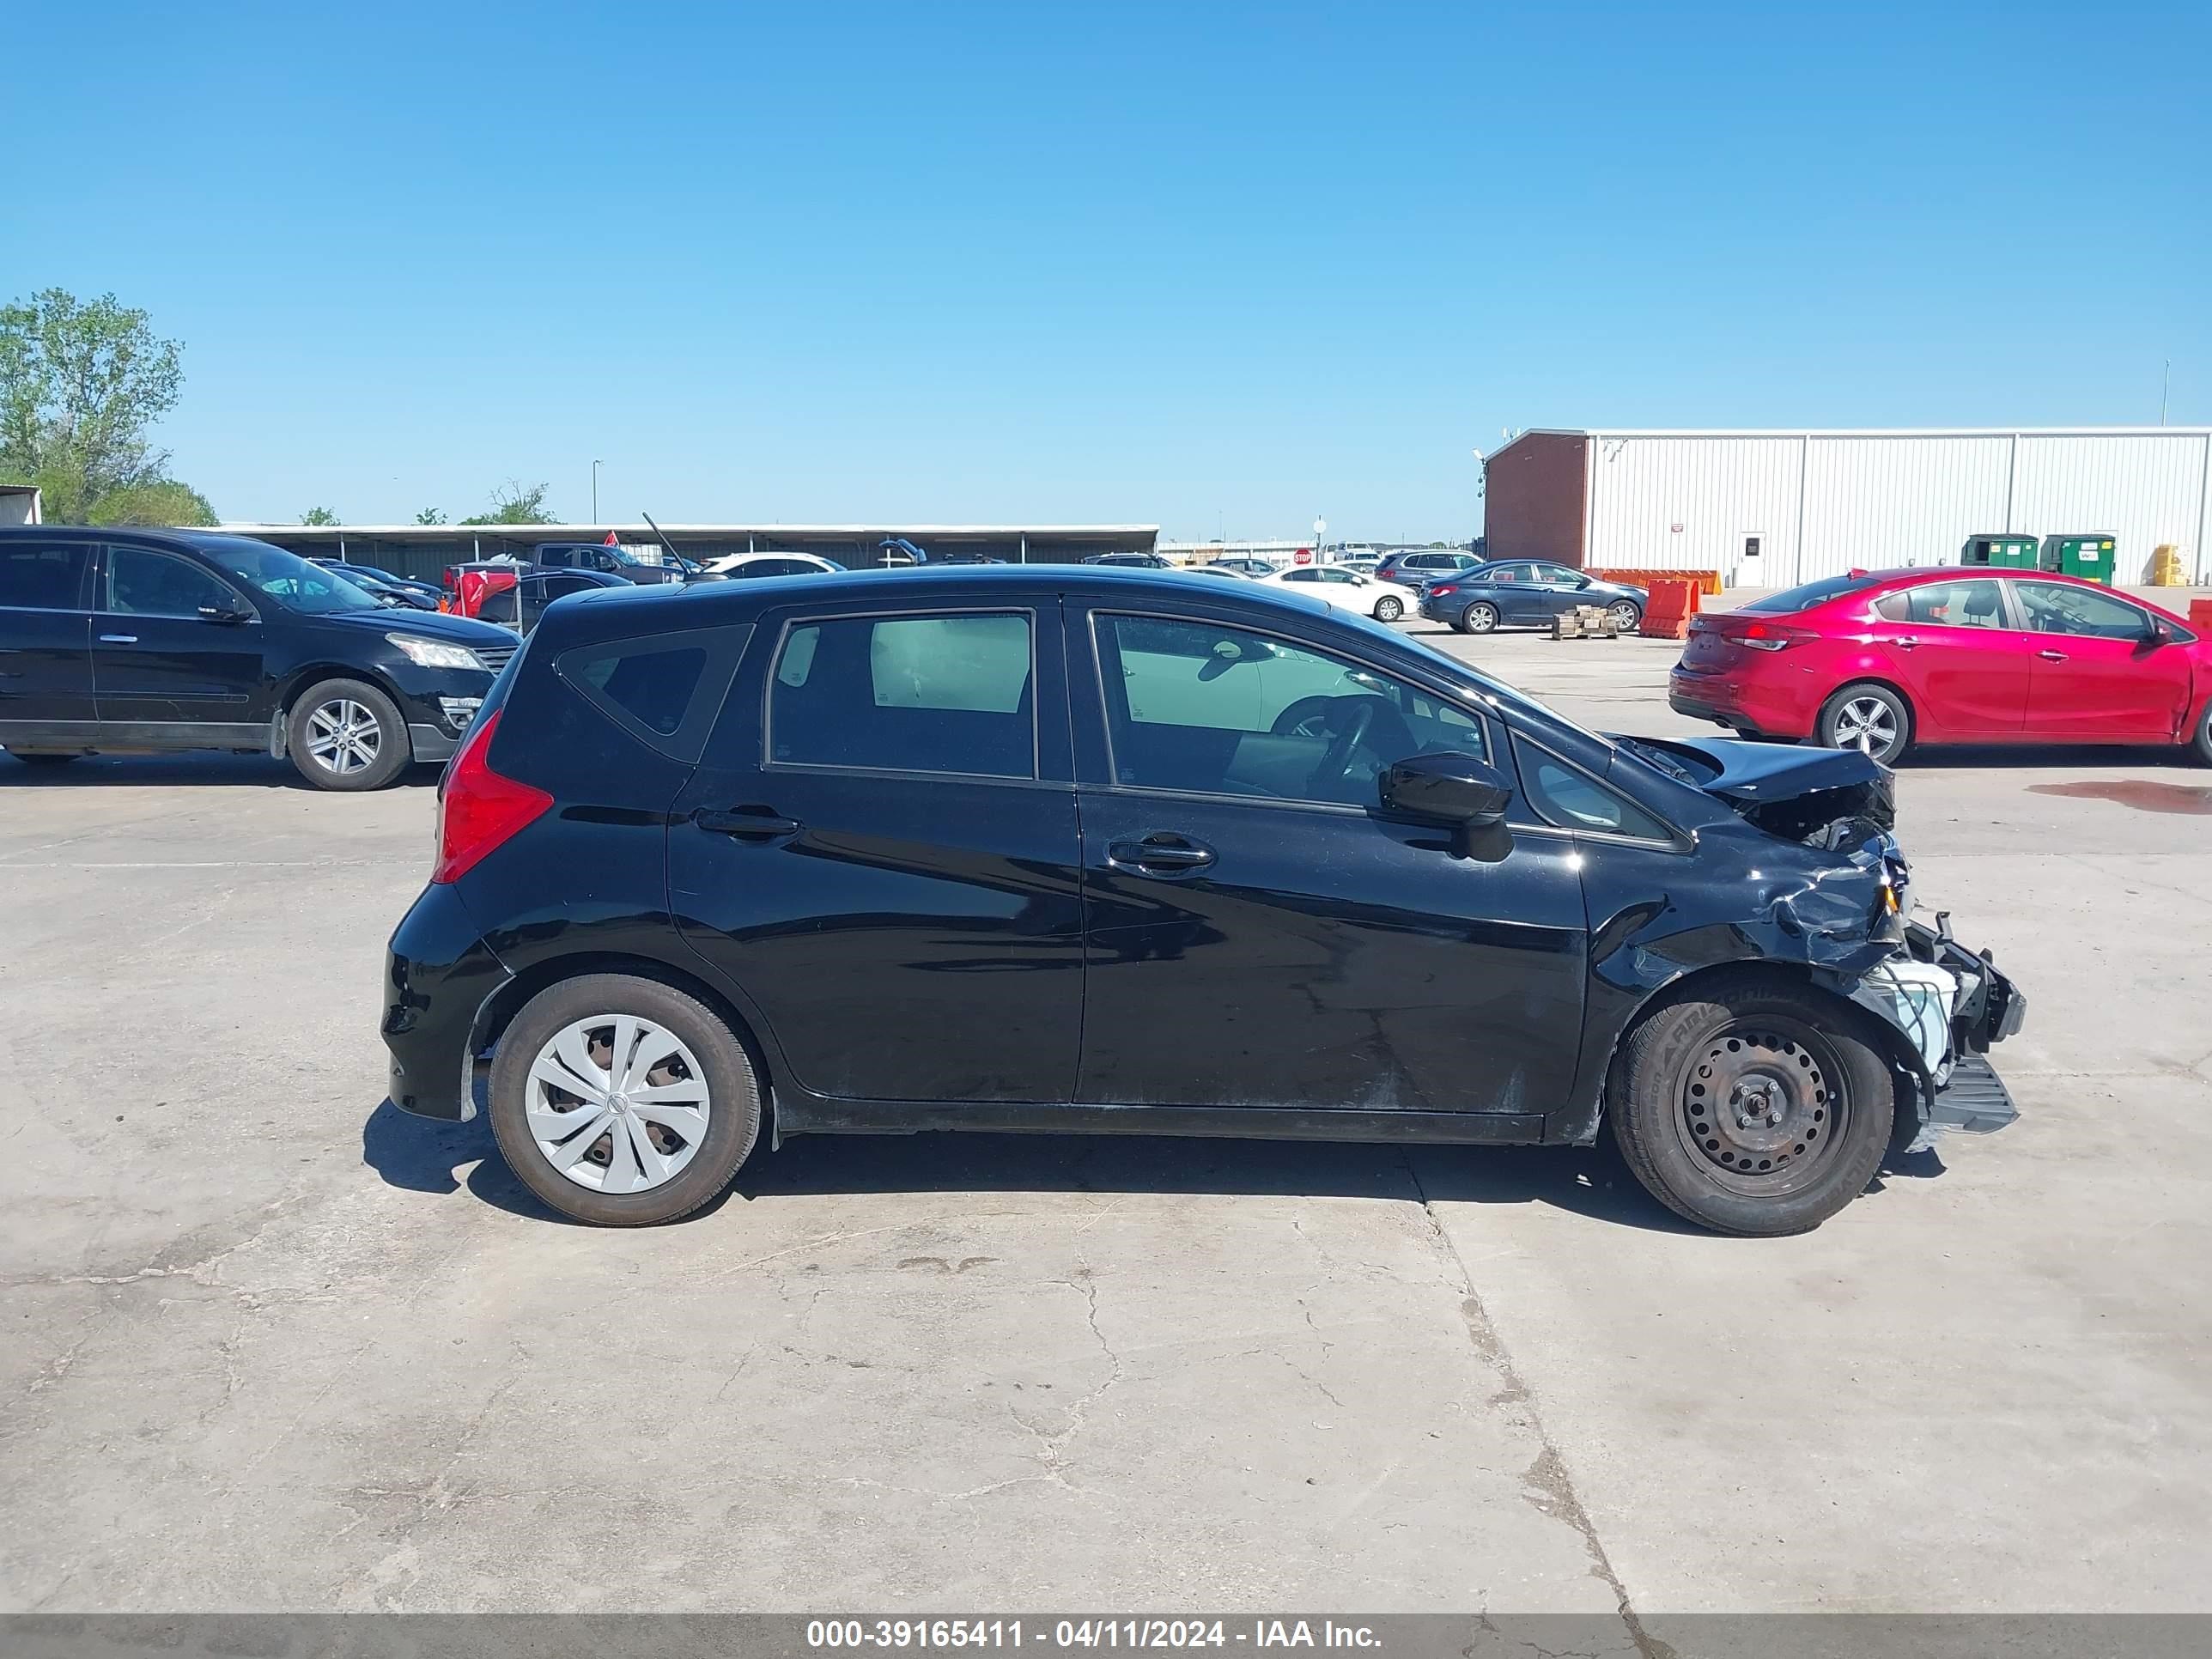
<point x="1523" y="593"/>
<point x="429" y="593"/>
<point x="1107" y="851"/>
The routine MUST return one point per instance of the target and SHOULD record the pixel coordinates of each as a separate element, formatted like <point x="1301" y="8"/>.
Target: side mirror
<point x="1448" y="788"/>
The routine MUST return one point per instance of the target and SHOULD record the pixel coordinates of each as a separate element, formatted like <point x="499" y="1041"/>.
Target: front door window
<point x="1211" y="709"/>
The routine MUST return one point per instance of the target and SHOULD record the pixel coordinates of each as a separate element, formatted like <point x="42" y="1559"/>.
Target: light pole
<point x="595" y="494"/>
<point x="1321" y="529"/>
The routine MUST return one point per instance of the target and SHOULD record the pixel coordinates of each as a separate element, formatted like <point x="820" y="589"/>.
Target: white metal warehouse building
<point x="1770" y="508"/>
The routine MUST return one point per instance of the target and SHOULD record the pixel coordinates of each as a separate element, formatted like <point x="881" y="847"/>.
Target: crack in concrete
<point x="1550" y="1488"/>
<point x="1052" y="1448"/>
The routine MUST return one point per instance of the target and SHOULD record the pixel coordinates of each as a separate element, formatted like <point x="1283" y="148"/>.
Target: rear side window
<point x="662" y="689"/>
<point x="43" y="576"/>
<point x="952" y="693"/>
<point x="1946" y="605"/>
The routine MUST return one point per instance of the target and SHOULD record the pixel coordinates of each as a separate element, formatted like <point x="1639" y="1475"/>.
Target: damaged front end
<point x="1848" y="917"/>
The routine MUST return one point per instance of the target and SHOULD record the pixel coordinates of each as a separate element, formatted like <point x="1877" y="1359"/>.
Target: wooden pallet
<point x="1584" y="622"/>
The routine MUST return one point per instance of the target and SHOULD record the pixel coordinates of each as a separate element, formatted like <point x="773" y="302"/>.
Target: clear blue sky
<point x="1193" y="265"/>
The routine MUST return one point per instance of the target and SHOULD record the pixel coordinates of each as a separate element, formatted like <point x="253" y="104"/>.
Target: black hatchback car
<point x="1107" y="851"/>
<point x="147" y="641"/>
<point x="1524" y="593"/>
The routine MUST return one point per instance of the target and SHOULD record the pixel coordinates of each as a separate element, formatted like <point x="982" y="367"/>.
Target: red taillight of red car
<point x="479" y="810"/>
<point x="1772" y="636"/>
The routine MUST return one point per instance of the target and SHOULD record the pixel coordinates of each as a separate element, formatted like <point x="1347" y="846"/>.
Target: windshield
<point x="1804" y="598"/>
<point x="289" y="580"/>
<point x="1496" y="689"/>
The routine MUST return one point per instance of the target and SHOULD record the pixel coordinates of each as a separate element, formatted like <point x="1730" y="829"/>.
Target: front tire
<point x="1627" y="616"/>
<point x="1480" y="617"/>
<point x="1751" y="1106"/>
<point x="1870" y="717"/>
<point x="622" y="1102"/>
<point x="347" y="735"/>
<point x="1389" y="608"/>
<point x="2202" y="743"/>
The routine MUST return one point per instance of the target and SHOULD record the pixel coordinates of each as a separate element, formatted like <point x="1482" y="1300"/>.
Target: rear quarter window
<point x="664" y="689"/>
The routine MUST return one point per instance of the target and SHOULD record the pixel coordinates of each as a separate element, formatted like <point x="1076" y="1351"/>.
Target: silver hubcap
<point x="1867" y="725"/>
<point x="617" y="1103"/>
<point x="1481" y="619"/>
<point x="1623" y="616"/>
<point x="343" y="736"/>
<point x="1388" y="610"/>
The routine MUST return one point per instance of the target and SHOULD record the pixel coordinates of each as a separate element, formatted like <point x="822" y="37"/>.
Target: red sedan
<point x="1882" y="660"/>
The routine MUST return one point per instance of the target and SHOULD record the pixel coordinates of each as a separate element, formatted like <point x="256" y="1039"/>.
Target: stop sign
<point x="1305" y="555"/>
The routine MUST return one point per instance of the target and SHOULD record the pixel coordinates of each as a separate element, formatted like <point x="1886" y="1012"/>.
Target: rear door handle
<point x="119" y="639"/>
<point x="746" y="824"/>
<point x="1162" y="853"/>
<point x="2052" y="656"/>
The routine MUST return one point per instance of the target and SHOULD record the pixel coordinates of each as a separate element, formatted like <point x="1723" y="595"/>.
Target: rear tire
<point x="1870" y="717"/>
<point x="347" y="735"/>
<point x="1751" y="1106"/>
<point x="1480" y="617"/>
<point x="613" y="1186"/>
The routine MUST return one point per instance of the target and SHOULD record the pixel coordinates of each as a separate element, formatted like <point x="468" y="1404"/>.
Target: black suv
<point x="136" y="641"/>
<point x="1105" y="850"/>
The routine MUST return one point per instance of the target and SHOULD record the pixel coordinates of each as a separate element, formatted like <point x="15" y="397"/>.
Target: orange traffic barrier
<point x="1707" y="582"/>
<point x="1673" y="602"/>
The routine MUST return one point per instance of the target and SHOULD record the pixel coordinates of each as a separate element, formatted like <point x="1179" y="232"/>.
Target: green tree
<point x="429" y="515"/>
<point x="511" y="503"/>
<point x="319" y="515"/>
<point x="156" y="502"/>
<point x="80" y="385"/>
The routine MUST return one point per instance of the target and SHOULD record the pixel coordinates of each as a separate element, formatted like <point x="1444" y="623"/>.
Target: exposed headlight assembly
<point x="436" y="653"/>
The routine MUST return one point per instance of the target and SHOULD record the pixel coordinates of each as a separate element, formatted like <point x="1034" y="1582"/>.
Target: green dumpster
<point x="2016" y="552"/>
<point x="2086" y="556"/>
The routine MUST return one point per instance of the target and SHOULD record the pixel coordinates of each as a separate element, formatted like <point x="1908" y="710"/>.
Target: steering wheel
<point x="1358" y="717"/>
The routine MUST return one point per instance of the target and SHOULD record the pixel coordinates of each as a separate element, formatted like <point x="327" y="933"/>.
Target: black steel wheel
<point x="1752" y="1106"/>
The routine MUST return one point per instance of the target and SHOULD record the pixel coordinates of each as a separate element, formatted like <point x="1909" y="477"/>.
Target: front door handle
<point x="746" y="824"/>
<point x="119" y="639"/>
<point x="1904" y="642"/>
<point x="2049" y="655"/>
<point x="1162" y="853"/>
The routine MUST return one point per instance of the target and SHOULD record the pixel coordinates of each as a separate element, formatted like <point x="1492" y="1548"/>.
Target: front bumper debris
<point x="1953" y="1006"/>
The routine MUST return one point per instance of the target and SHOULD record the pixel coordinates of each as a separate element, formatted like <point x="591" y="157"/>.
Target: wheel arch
<point x="500" y="1008"/>
<point x="1593" y="1095"/>
<point x="1888" y="682"/>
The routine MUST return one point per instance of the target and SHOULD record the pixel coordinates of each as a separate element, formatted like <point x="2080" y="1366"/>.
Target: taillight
<point x="1443" y="587"/>
<point x="479" y="810"/>
<point x="1771" y="636"/>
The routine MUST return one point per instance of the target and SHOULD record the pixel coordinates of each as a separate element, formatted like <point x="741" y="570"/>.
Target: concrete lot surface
<point x="270" y="1345"/>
